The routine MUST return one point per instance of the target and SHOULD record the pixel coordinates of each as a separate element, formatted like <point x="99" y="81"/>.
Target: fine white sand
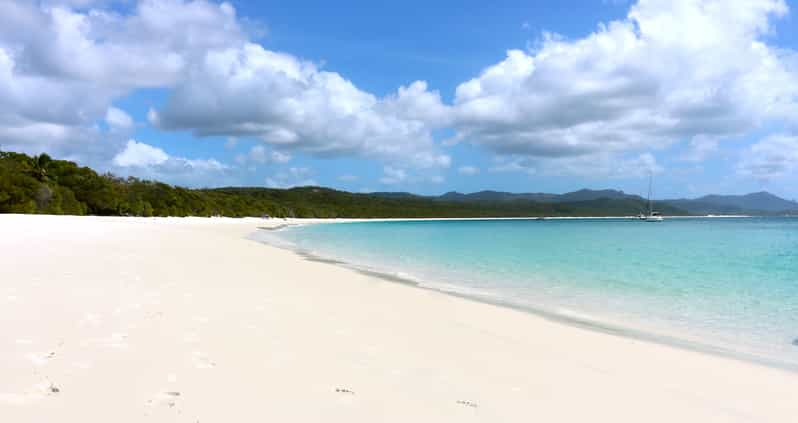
<point x="185" y="320"/>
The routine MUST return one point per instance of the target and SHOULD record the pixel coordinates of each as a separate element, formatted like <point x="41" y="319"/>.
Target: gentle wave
<point x="581" y="303"/>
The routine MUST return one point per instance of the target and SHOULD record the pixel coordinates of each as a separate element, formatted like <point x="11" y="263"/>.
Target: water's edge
<point x="560" y="318"/>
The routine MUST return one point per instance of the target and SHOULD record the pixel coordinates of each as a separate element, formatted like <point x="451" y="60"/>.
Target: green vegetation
<point x="42" y="185"/>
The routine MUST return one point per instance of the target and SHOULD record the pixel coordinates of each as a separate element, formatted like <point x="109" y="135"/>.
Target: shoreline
<point x="311" y="220"/>
<point x="593" y="324"/>
<point x="185" y="320"/>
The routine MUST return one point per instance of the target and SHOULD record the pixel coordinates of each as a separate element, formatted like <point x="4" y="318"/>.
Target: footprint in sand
<point x="36" y="393"/>
<point x="201" y="361"/>
<point x="467" y="403"/>
<point x="40" y="359"/>
<point x="117" y="340"/>
<point x="164" y="399"/>
<point x="153" y="315"/>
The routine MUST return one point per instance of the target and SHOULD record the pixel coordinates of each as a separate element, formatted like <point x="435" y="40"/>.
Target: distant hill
<point x="396" y="195"/>
<point x="758" y="203"/>
<point x="40" y="184"/>
<point x="755" y="203"/>
<point x="581" y="195"/>
<point x="587" y="195"/>
<point x="497" y="196"/>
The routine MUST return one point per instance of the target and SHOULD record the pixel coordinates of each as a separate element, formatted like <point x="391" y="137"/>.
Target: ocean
<point x="724" y="285"/>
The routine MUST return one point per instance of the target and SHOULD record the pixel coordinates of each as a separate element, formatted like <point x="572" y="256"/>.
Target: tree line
<point x="40" y="184"/>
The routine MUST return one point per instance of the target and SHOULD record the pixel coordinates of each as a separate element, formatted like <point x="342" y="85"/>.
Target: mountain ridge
<point x="40" y="184"/>
<point x="756" y="203"/>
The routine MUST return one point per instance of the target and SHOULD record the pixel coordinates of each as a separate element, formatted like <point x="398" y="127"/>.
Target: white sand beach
<point x="186" y="320"/>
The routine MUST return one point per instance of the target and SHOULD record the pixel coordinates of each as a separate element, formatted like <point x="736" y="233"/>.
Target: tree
<point x="40" y="164"/>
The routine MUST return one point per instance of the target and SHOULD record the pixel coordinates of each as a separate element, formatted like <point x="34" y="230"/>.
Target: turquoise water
<point x="727" y="283"/>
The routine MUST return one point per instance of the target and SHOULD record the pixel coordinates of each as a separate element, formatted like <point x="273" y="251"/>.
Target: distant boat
<point x="651" y="216"/>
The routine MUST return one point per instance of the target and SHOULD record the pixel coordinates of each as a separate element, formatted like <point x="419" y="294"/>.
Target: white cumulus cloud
<point x="259" y="154"/>
<point x="598" y="165"/>
<point x="773" y="157"/>
<point x="148" y="161"/>
<point x="140" y="154"/>
<point x="251" y="91"/>
<point x="62" y="63"/>
<point x="692" y="71"/>
<point x="118" y="119"/>
<point x="673" y="70"/>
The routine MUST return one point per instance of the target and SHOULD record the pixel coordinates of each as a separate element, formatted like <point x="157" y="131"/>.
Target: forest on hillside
<point x="40" y="184"/>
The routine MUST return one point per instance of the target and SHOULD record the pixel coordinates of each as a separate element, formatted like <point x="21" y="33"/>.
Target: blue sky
<point x="411" y="96"/>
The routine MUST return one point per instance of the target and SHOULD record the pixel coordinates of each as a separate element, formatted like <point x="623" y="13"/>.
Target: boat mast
<point x="650" y="207"/>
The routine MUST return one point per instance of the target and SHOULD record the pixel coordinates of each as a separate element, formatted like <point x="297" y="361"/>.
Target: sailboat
<point x="651" y="216"/>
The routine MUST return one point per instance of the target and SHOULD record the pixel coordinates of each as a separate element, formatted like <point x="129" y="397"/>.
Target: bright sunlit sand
<point x="135" y="319"/>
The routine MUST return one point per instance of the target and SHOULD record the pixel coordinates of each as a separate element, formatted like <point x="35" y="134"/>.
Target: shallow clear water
<point x="728" y="283"/>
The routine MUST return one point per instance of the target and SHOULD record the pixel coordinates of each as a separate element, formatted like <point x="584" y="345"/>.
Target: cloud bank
<point x="672" y="71"/>
<point x="696" y="71"/>
<point x="251" y="91"/>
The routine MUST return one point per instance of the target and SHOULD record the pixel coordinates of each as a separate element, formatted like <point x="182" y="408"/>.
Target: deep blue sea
<point x="729" y="284"/>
